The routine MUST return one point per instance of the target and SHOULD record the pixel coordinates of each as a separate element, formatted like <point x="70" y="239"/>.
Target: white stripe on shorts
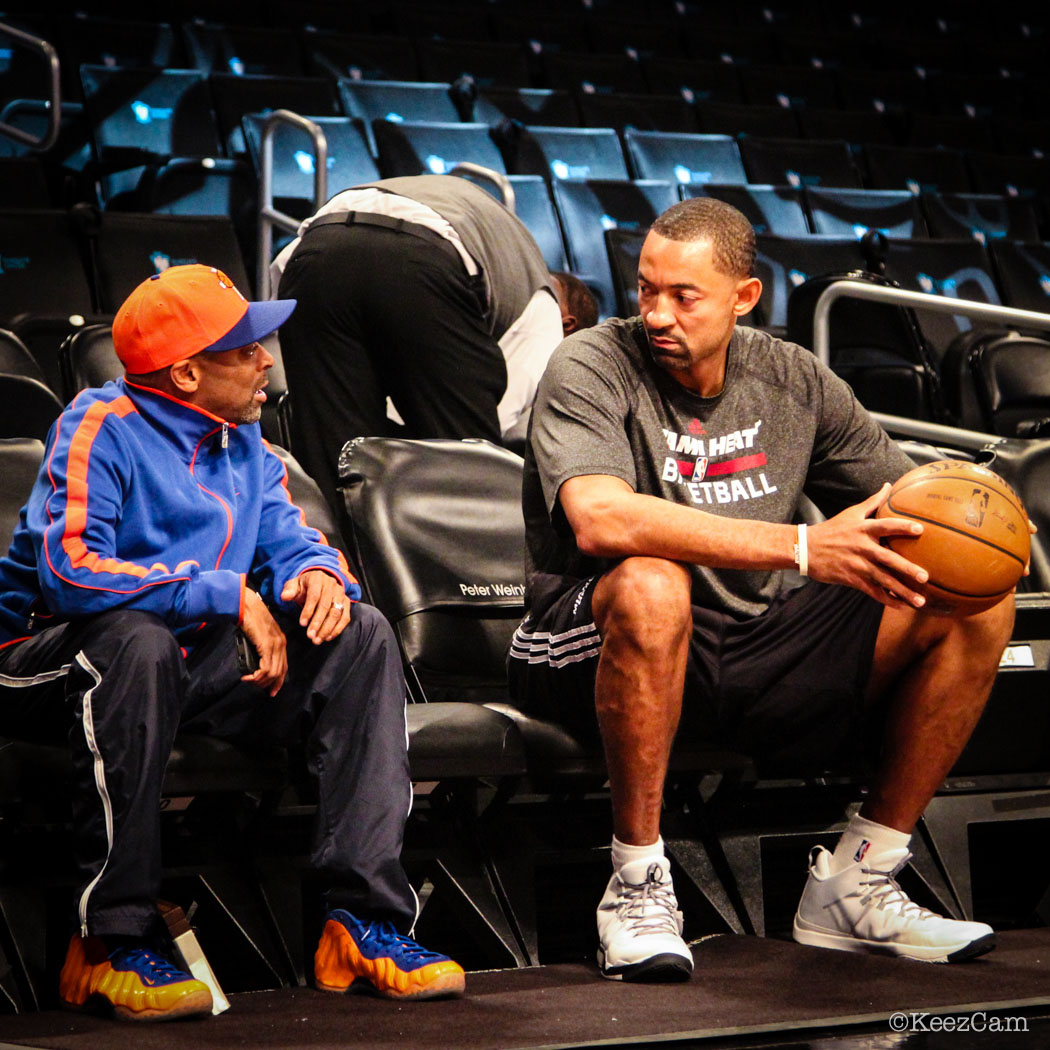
<point x="556" y="650"/>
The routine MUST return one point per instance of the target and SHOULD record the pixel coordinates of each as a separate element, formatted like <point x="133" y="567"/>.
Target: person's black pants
<point x="118" y="687"/>
<point x="384" y="313"/>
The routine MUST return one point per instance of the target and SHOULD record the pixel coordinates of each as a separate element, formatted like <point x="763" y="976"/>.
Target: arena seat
<point x="15" y="358"/>
<point x="954" y="132"/>
<point x="624" y="248"/>
<point x="769" y="209"/>
<point x="234" y="96"/>
<point x="241" y="50"/>
<point x="349" y="160"/>
<point x="140" y="117"/>
<point x="960" y="269"/>
<point x="358" y="56"/>
<point x="591" y="205"/>
<point x="645" y="112"/>
<point x="878" y="349"/>
<point x="130" y="247"/>
<point x="852" y="212"/>
<point x="782" y="85"/>
<point x="799" y="162"/>
<point x="44" y="282"/>
<point x="30" y="407"/>
<point x="784" y="263"/>
<point x="685" y="159"/>
<point x="986" y="217"/>
<point x="695" y="80"/>
<point x="919" y="170"/>
<point x="563" y="153"/>
<point x="890" y="91"/>
<point x="394" y="100"/>
<point x="738" y="119"/>
<point x="855" y="126"/>
<point x="1023" y="272"/>
<point x="422" y="148"/>
<point x="592" y="73"/>
<point x="485" y="62"/>
<point x="542" y="106"/>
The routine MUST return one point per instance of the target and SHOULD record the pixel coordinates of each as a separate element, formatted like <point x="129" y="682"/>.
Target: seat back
<point x="798" y="162"/>
<point x="16" y="359"/>
<point x="565" y="153"/>
<point x="685" y="159"/>
<point x="533" y="205"/>
<point x="595" y="73"/>
<point x="234" y="96"/>
<point x="417" y="102"/>
<point x="131" y="247"/>
<point x="487" y="63"/>
<point x="241" y="50"/>
<point x="646" y="112"/>
<point x="591" y="206"/>
<point x="852" y="212"/>
<point x="959" y="269"/>
<point x="878" y="349"/>
<point x="784" y="263"/>
<point x="736" y="118"/>
<point x="984" y="216"/>
<point x="359" y="56"/>
<point x="918" y="170"/>
<point x="30" y="407"/>
<point x="769" y="209"/>
<point x="1023" y="271"/>
<point x="349" y="161"/>
<point x="436" y="530"/>
<point x="20" y="459"/>
<point x="541" y="106"/>
<point x="624" y="248"/>
<point x="424" y="148"/>
<point x="1011" y="378"/>
<point x="88" y="359"/>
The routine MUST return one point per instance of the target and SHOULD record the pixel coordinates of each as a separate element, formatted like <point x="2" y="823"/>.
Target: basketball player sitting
<point x="667" y="455"/>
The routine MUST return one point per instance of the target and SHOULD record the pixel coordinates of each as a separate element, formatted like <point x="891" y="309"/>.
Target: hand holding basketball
<point x="975" y="540"/>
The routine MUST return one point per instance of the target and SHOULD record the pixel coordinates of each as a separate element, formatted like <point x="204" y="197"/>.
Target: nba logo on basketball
<point x="978" y="505"/>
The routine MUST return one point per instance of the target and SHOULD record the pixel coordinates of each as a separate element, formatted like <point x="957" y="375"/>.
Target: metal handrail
<point x="466" y="167"/>
<point x="936" y="433"/>
<point x="270" y="216"/>
<point x="900" y="297"/>
<point x="54" y="104"/>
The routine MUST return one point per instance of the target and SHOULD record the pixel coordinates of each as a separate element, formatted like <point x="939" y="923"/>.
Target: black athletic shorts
<point x="786" y="687"/>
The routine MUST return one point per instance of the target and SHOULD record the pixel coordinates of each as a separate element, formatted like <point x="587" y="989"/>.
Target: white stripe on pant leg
<point x="37" y="679"/>
<point x="88" y="723"/>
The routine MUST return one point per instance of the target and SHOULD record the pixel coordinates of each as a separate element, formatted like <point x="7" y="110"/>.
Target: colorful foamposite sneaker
<point x="393" y="964"/>
<point x="138" y="984"/>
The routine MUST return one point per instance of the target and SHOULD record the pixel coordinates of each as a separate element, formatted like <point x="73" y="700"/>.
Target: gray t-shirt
<point x="783" y="426"/>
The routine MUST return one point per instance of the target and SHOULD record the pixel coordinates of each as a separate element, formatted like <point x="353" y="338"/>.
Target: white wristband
<point x="802" y="552"/>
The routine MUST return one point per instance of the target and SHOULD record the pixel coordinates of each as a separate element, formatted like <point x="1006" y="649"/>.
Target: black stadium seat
<point x="850" y="212"/>
<point x="431" y="148"/>
<point x="685" y="159"/>
<point x="589" y="206"/>
<point x="769" y="209"/>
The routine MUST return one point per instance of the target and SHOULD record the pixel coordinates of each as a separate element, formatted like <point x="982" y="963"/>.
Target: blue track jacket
<point x="145" y="502"/>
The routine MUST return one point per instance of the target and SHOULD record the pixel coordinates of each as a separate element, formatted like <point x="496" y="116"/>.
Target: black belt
<point x="388" y="222"/>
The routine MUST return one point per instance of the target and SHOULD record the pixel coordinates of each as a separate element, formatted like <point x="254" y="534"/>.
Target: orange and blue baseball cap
<point x="185" y="310"/>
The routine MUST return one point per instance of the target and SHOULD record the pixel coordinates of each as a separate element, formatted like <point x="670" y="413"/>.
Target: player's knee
<point x="647" y="593"/>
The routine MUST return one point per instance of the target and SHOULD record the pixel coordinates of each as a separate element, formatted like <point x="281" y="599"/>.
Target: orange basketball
<point x="975" y="538"/>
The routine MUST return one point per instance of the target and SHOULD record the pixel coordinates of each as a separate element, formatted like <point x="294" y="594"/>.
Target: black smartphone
<point x="247" y="656"/>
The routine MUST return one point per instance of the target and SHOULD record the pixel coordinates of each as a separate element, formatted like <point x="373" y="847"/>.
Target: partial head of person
<point x="579" y="308"/>
<point x="189" y="333"/>
<point x="695" y="279"/>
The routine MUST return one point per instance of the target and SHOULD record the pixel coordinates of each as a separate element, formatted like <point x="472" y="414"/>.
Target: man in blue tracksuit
<point x="159" y="526"/>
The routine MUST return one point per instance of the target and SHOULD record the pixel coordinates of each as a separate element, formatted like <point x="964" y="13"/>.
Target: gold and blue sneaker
<point x="375" y="952"/>
<point x="137" y="984"/>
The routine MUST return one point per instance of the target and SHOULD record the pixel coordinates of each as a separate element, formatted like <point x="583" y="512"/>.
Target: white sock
<point x="863" y="837"/>
<point x="624" y="853"/>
